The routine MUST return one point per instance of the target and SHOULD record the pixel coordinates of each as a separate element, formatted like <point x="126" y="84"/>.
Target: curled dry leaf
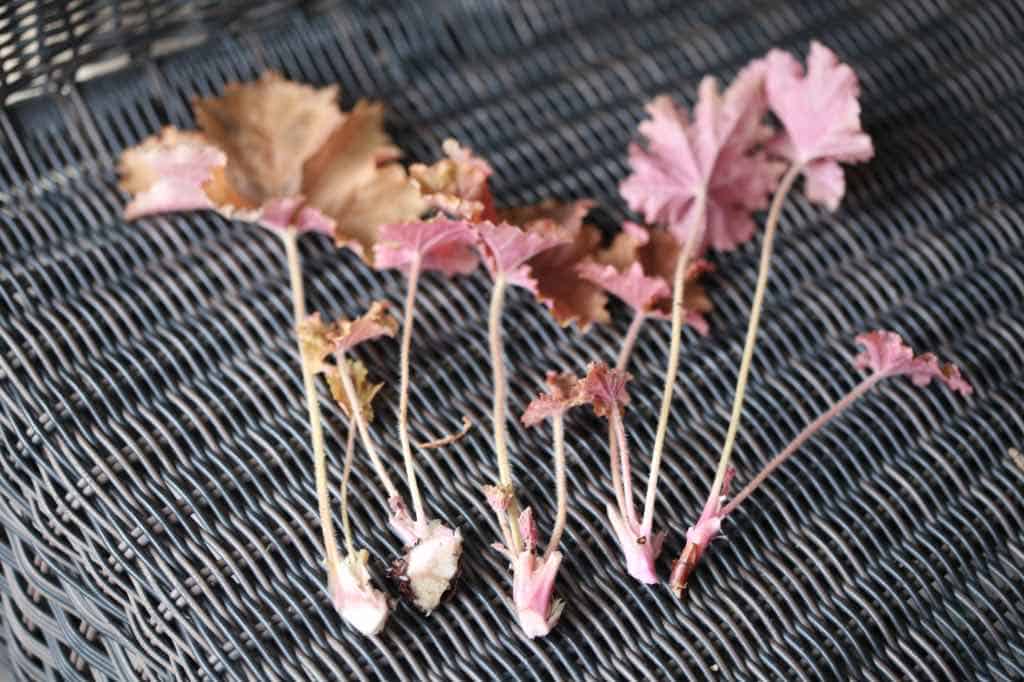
<point x="821" y="115"/>
<point x="449" y="439"/>
<point x="718" y="155"/>
<point x="885" y="354"/>
<point x="443" y="245"/>
<point x="318" y="339"/>
<point x="365" y="390"/>
<point x="570" y="297"/>
<point x="505" y="249"/>
<point x="566" y="391"/>
<point x="656" y="252"/>
<point x="457" y="185"/>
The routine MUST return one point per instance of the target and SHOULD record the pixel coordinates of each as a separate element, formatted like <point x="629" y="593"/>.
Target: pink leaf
<point x="533" y="585"/>
<point x="718" y="155"/>
<point x="167" y="173"/>
<point x="637" y="290"/>
<point x="606" y="388"/>
<point x="567" y="391"/>
<point x="885" y="354"/>
<point x="443" y="245"/>
<point x="506" y="248"/>
<point x="821" y="116"/>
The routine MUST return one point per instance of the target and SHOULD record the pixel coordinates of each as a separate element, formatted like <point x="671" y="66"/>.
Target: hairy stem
<point x="678" y="318"/>
<point x="316" y="431"/>
<point x="500" y="399"/>
<point x="629" y="341"/>
<point x="613" y="464"/>
<point x="403" y="394"/>
<point x="857" y="391"/>
<point x="291" y="249"/>
<point x="360" y="419"/>
<point x="615" y="420"/>
<point x="560" y="486"/>
<point x="346" y="473"/>
<point x="771" y="226"/>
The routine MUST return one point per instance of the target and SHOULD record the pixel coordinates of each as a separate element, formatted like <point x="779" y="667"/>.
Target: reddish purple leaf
<point x="167" y="173"/>
<point x="567" y="391"/>
<point x="605" y="388"/>
<point x="636" y="289"/>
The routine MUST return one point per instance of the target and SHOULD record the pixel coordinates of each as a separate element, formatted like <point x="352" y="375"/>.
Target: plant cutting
<point x="702" y="179"/>
<point x="348" y="577"/>
<point x="885" y="355"/>
<point x="821" y="117"/>
<point x="505" y="250"/>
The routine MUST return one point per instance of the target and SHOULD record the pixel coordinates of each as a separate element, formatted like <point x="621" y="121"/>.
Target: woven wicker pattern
<point x="157" y="495"/>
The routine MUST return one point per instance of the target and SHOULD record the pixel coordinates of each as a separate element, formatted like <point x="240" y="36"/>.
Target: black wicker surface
<point x="157" y="497"/>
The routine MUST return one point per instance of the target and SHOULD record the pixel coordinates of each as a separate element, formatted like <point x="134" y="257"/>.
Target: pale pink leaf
<point x="637" y="290"/>
<point x="821" y="115"/>
<point x="442" y="245"/>
<point x="887" y="355"/>
<point x="167" y="173"/>
<point x="506" y="248"/>
<point x="718" y="156"/>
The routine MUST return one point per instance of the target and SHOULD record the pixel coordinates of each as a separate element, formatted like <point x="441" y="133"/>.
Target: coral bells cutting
<point x="533" y="577"/>
<point x="885" y="355"/>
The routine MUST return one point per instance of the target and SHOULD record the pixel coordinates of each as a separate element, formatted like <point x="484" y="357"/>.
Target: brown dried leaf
<point x="354" y="179"/>
<point x="365" y="390"/>
<point x="457" y="185"/>
<point x="268" y="129"/>
<point x="570" y="297"/>
<point x="656" y="250"/>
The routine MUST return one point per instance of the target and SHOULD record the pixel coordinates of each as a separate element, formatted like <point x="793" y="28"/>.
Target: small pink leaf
<point x="606" y="388"/>
<point x="443" y="245"/>
<point x="637" y="290"/>
<point x="887" y="355"/>
<point x="821" y="116"/>
<point x="506" y="248"/>
<point x="567" y="391"/>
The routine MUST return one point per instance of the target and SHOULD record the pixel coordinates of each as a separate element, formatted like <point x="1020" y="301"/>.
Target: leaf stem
<point x="615" y="421"/>
<point x="629" y="340"/>
<point x="346" y="473"/>
<point x="857" y="391"/>
<point x="697" y="227"/>
<point x="291" y="246"/>
<point x="403" y="394"/>
<point x="500" y="398"/>
<point x="560" y="486"/>
<point x="613" y="464"/>
<point x="763" y="269"/>
<point x="364" y="433"/>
